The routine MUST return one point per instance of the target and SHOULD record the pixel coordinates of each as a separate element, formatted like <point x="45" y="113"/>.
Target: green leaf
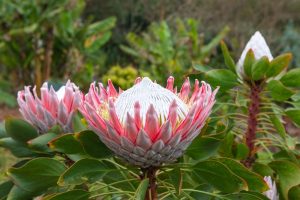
<point x="66" y="144"/>
<point x="20" y="130"/>
<point x="85" y="170"/>
<point x="242" y="151"/>
<point x="72" y="194"/>
<point x="254" y="181"/>
<point x="5" y="188"/>
<point x="40" y="143"/>
<point x="288" y="174"/>
<point x="141" y="191"/>
<point x="259" y="68"/>
<point x="201" y="68"/>
<point x="278" y="91"/>
<point x="278" y="125"/>
<point x="92" y="144"/>
<point x="17" y="149"/>
<point x="37" y="175"/>
<point x="229" y="62"/>
<point x="175" y="176"/>
<point x="203" y="148"/>
<point x="221" y="77"/>
<point x="101" y="26"/>
<point x="294" y="115"/>
<point x="249" y="62"/>
<point x="219" y="175"/>
<point x="291" y="78"/>
<point x="262" y="169"/>
<point x="245" y="195"/>
<point x="278" y="64"/>
<point x="17" y="193"/>
<point x="294" y="192"/>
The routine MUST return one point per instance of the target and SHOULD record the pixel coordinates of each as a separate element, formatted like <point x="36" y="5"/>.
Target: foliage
<point x="122" y="77"/>
<point x="41" y="38"/>
<point x="165" y="51"/>
<point x="290" y="42"/>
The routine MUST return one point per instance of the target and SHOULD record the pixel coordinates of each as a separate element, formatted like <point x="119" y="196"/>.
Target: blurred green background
<point x="96" y="39"/>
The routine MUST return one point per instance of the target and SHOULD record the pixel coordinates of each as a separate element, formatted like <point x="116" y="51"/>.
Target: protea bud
<point x="260" y="49"/>
<point x="52" y="108"/>
<point x="148" y="125"/>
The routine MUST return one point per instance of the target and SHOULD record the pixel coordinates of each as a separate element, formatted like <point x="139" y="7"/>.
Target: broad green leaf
<point x="17" y="193"/>
<point x="219" y="175"/>
<point x="278" y="91"/>
<point x="278" y="125"/>
<point x="5" y="187"/>
<point x="259" y="68"/>
<point x="37" y="175"/>
<point x="294" y="115"/>
<point x="92" y="144"/>
<point x="221" y="77"/>
<point x="294" y="193"/>
<point x="203" y="148"/>
<point x="141" y="191"/>
<point x="242" y="151"/>
<point x="20" y="130"/>
<point x="278" y="64"/>
<point x="229" y="62"/>
<point x="40" y="143"/>
<point x="85" y="170"/>
<point x="72" y="194"/>
<point x="262" y="169"/>
<point x="249" y="62"/>
<point x="66" y="144"/>
<point x="291" y="78"/>
<point x="254" y="181"/>
<point x="18" y="149"/>
<point x="288" y="175"/>
<point x="245" y="195"/>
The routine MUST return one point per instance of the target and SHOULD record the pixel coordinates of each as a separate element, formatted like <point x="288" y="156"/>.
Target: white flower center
<point x="146" y="93"/>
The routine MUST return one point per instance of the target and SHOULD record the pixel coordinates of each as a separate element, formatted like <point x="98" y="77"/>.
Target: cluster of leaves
<point x="165" y="51"/>
<point x="276" y="153"/>
<point x="41" y="38"/>
<point x="79" y="166"/>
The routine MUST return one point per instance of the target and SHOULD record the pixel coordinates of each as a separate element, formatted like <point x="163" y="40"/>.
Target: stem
<point x="253" y="111"/>
<point x="150" y="173"/>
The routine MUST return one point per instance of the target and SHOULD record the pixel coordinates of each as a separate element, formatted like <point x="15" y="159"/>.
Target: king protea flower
<point x="53" y="108"/>
<point x="148" y="125"/>
<point x="258" y="45"/>
<point x="272" y="192"/>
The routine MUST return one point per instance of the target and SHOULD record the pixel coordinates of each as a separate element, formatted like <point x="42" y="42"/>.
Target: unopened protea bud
<point x="148" y="125"/>
<point x="260" y="49"/>
<point x="52" y="108"/>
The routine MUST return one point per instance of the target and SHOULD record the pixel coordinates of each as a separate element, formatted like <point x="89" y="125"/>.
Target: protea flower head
<point x="52" y="108"/>
<point x="148" y="125"/>
<point x="272" y="192"/>
<point x="259" y="47"/>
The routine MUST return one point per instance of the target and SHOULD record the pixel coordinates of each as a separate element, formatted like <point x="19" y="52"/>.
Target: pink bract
<point x="148" y="125"/>
<point x="52" y="108"/>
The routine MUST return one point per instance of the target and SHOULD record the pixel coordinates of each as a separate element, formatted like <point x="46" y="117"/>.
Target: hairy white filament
<point x="146" y="93"/>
